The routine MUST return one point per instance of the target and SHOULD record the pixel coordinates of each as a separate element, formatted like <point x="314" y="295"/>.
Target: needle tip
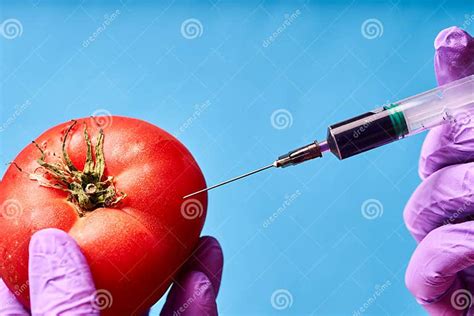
<point x="192" y="194"/>
<point x="230" y="180"/>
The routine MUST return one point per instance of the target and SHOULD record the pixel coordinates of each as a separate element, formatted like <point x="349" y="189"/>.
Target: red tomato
<point x="135" y="229"/>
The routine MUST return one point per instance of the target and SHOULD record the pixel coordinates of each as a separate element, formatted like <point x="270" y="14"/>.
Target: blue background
<point x="320" y="68"/>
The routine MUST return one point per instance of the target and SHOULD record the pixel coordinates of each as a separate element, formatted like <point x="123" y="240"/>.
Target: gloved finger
<point x="433" y="274"/>
<point x="451" y="143"/>
<point x="209" y="259"/>
<point x="447" y="196"/>
<point x="198" y="283"/>
<point x="192" y="295"/>
<point x="8" y="303"/>
<point x="59" y="276"/>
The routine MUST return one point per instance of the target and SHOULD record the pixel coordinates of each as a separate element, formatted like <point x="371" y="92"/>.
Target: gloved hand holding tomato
<point x="93" y="221"/>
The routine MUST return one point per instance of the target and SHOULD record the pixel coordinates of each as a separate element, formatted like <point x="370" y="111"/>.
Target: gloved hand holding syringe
<point x="448" y="103"/>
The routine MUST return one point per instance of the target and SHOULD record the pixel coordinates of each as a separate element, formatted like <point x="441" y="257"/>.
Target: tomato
<point x="124" y="206"/>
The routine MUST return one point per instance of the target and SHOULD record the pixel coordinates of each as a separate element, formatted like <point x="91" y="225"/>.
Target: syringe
<point x="453" y="102"/>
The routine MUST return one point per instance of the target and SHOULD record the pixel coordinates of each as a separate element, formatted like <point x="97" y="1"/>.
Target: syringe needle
<point x="294" y="157"/>
<point x="229" y="181"/>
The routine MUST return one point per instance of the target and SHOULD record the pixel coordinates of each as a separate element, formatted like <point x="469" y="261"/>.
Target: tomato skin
<point x="133" y="248"/>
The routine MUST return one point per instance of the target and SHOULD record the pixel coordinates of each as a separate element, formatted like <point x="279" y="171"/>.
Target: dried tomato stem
<point x="87" y="189"/>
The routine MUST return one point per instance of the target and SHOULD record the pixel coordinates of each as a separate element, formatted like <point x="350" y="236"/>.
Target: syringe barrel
<point x="453" y="103"/>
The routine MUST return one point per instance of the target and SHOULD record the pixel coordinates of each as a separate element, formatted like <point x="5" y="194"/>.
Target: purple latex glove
<point x="441" y="271"/>
<point x="61" y="283"/>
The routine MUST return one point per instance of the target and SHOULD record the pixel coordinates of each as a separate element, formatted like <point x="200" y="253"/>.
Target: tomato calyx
<point x="87" y="189"/>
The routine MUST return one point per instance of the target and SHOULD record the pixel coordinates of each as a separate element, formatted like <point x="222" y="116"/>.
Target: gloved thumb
<point x="59" y="276"/>
<point x="454" y="55"/>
